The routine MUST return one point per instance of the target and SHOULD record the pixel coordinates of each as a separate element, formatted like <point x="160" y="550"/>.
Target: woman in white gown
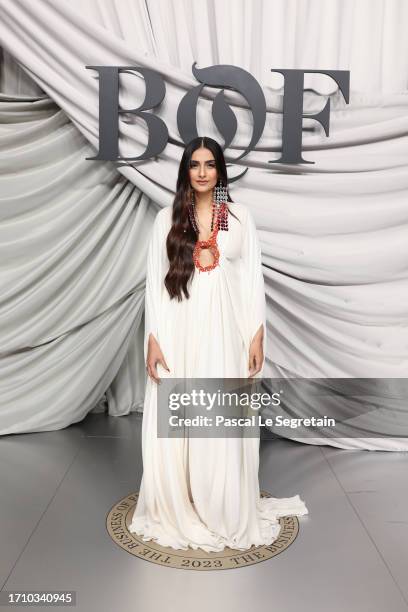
<point x="204" y="492"/>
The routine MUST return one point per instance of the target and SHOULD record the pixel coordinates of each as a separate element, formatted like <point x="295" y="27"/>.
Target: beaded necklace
<point x="220" y="215"/>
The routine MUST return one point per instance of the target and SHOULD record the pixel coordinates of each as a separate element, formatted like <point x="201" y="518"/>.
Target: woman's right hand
<point x="154" y="356"/>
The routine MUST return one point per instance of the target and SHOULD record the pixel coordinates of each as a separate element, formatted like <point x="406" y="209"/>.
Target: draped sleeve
<point x="253" y="281"/>
<point x="155" y="273"/>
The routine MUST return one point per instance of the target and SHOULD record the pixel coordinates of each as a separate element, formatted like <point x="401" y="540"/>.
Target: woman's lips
<point x="202" y="182"/>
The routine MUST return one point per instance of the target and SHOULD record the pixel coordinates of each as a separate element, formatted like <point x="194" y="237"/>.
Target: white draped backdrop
<point x="74" y="233"/>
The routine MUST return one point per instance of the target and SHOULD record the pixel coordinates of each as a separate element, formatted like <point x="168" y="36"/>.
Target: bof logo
<point x="221" y="76"/>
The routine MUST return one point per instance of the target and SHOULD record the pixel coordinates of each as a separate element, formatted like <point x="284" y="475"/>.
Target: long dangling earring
<point x="220" y="196"/>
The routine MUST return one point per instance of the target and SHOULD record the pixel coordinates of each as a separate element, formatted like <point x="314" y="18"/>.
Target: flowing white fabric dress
<point x="204" y="492"/>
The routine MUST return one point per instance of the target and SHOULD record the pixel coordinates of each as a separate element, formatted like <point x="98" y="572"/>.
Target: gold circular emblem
<point x="119" y="518"/>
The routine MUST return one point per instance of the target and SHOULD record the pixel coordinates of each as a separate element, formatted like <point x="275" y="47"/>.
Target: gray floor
<point x="57" y="488"/>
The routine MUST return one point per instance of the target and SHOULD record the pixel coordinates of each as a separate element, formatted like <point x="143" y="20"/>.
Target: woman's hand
<point x="256" y="355"/>
<point x="154" y="356"/>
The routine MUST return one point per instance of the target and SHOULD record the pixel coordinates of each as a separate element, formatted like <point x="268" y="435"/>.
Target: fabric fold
<point x="253" y="285"/>
<point x="155" y="272"/>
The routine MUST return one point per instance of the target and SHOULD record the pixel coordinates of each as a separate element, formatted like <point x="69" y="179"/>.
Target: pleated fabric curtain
<point x="74" y="232"/>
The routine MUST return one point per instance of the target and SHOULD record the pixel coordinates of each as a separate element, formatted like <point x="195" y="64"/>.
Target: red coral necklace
<point x="220" y="215"/>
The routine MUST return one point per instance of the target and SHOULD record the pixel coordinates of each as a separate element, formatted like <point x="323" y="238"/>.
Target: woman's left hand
<point x="256" y="355"/>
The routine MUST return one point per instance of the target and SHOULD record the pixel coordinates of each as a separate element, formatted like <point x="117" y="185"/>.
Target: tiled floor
<point x="57" y="488"/>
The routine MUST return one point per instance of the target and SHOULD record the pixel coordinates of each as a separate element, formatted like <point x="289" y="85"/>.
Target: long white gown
<point x="204" y="492"/>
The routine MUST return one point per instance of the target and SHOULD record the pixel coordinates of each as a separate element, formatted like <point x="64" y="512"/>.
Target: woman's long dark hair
<point x="182" y="237"/>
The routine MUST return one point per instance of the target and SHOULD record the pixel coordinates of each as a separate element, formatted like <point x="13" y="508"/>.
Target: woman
<point x="204" y="318"/>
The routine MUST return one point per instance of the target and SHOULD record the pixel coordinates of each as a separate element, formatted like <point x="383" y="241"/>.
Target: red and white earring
<point x="220" y="198"/>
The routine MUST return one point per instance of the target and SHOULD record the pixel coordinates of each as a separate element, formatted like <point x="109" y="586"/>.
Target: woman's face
<point x="203" y="170"/>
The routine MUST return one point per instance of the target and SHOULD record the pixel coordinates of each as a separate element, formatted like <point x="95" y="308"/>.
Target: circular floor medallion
<point x="119" y="519"/>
